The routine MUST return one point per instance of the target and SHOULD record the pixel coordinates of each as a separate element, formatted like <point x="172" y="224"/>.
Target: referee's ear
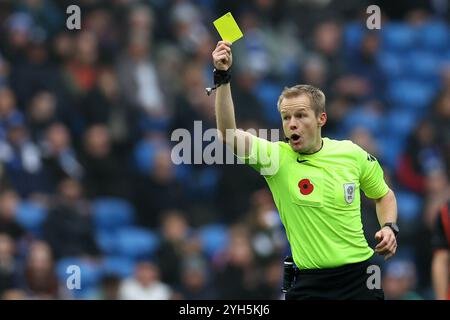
<point x="321" y="119"/>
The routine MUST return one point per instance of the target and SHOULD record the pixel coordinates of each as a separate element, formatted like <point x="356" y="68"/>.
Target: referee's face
<point x="301" y="124"/>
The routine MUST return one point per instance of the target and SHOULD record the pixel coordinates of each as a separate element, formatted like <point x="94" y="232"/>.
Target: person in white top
<point x="145" y="284"/>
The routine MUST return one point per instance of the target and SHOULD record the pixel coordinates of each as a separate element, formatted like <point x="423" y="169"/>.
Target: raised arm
<point x="238" y="140"/>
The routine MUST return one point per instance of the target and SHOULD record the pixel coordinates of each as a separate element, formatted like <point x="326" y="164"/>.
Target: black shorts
<point x="348" y="282"/>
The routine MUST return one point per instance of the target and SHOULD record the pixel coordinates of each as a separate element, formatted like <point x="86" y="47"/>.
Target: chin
<point x="297" y="148"/>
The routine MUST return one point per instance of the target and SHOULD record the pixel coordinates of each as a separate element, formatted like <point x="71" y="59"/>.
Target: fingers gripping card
<point x="228" y="28"/>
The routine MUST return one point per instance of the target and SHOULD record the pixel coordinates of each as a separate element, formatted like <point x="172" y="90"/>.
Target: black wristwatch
<point x="393" y="226"/>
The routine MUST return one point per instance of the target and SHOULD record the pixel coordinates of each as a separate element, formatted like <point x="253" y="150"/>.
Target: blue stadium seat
<point x="361" y="117"/>
<point x="434" y="36"/>
<point x="111" y="213"/>
<point x="204" y="183"/>
<point x="399" y="124"/>
<point x="214" y="238"/>
<point x="31" y="215"/>
<point x="391" y="64"/>
<point x="423" y="65"/>
<point x="136" y="242"/>
<point x="391" y="150"/>
<point x="445" y="58"/>
<point x="144" y="153"/>
<point x="410" y="93"/>
<point x="267" y="93"/>
<point x="353" y="34"/>
<point x="409" y="205"/>
<point x="106" y="241"/>
<point x="120" y="266"/>
<point x="398" y="37"/>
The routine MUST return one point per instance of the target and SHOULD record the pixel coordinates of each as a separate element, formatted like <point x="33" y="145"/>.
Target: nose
<point x="292" y="124"/>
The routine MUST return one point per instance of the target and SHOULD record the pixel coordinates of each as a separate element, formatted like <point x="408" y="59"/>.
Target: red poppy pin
<point x="305" y="186"/>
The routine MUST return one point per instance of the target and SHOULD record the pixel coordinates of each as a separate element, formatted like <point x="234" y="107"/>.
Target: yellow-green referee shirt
<point x="318" y="198"/>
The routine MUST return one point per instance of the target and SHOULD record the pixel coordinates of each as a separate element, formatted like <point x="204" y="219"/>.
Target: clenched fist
<point x="388" y="243"/>
<point x="222" y="56"/>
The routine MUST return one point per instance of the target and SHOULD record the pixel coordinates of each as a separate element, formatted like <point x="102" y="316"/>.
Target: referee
<point x="316" y="187"/>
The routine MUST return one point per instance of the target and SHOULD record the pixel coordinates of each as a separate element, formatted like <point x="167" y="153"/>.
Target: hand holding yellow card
<point x="228" y="28"/>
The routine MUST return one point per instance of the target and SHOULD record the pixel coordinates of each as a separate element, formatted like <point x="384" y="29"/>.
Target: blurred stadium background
<point x="85" y="123"/>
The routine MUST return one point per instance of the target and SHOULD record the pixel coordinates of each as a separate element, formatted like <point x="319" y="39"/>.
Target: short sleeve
<point x="264" y="157"/>
<point x="371" y="175"/>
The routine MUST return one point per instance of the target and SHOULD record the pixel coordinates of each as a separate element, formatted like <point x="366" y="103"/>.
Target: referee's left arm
<point x="375" y="187"/>
<point x="386" y="207"/>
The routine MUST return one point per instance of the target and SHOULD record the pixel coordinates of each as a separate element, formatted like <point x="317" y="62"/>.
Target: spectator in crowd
<point x="58" y="155"/>
<point x="159" y="190"/>
<point x="314" y="71"/>
<point x="18" y="33"/>
<point x="41" y="113"/>
<point x="421" y="155"/>
<point x="235" y="276"/>
<point x="195" y="281"/>
<point x="145" y="284"/>
<point x="266" y="236"/>
<point x="175" y="234"/>
<point x="8" y="110"/>
<point x="103" y="23"/>
<point x="441" y="122"/>
<point x="68" y="228"/>
<point x="187" y="26"/>
<point x="327" y="42"/>
<point x="249" y="110"/>
<point x="270" y="286"/>
<point x="3" y="71"/>
<point x="8" y="263"/>
<point x="9" y="201"/>
<point x="14" y="294"/>
<point x="437" y="188"/>
<point x="82" y="68"/>
<point x="22" y="159"/>
<point x="440" y="244"/>
<point x="104" y="173"/>
<point x="109" y="287"/>
<point x="46" y="14"/>
<point x="362" y="137"/>
<point x="364" y="68"/>
<point x="139" y="80"/>
<point x="36" y="73"/>
<point x="40" y="281"/>
<point x="105" y="105"/>
<point x="399" y="281"/>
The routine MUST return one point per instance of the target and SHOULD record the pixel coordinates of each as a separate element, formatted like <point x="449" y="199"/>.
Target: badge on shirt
<point x="349" y="192"/>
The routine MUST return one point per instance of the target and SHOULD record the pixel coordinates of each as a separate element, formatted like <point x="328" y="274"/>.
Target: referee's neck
<point x="316" y="149"/>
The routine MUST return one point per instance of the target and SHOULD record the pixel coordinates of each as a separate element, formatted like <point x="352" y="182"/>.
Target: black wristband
<point x="221" y="76"/>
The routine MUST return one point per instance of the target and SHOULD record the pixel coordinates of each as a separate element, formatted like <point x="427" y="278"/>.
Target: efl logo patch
<point x="349" y="192"/>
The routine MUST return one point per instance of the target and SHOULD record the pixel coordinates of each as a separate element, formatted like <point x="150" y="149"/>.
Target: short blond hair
<point x="315" y="95"/>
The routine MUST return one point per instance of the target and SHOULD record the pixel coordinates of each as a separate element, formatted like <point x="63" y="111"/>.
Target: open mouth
<point x="295" y="138"/>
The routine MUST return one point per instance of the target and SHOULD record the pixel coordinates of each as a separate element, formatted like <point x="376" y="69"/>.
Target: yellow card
<point x="228" y="28"/>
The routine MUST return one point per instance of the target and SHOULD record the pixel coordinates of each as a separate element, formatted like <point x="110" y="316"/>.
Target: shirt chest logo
<point x="349" y="192"/>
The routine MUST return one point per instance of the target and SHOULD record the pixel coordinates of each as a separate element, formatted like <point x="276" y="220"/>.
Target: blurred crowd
<point x="86" y="116"/>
